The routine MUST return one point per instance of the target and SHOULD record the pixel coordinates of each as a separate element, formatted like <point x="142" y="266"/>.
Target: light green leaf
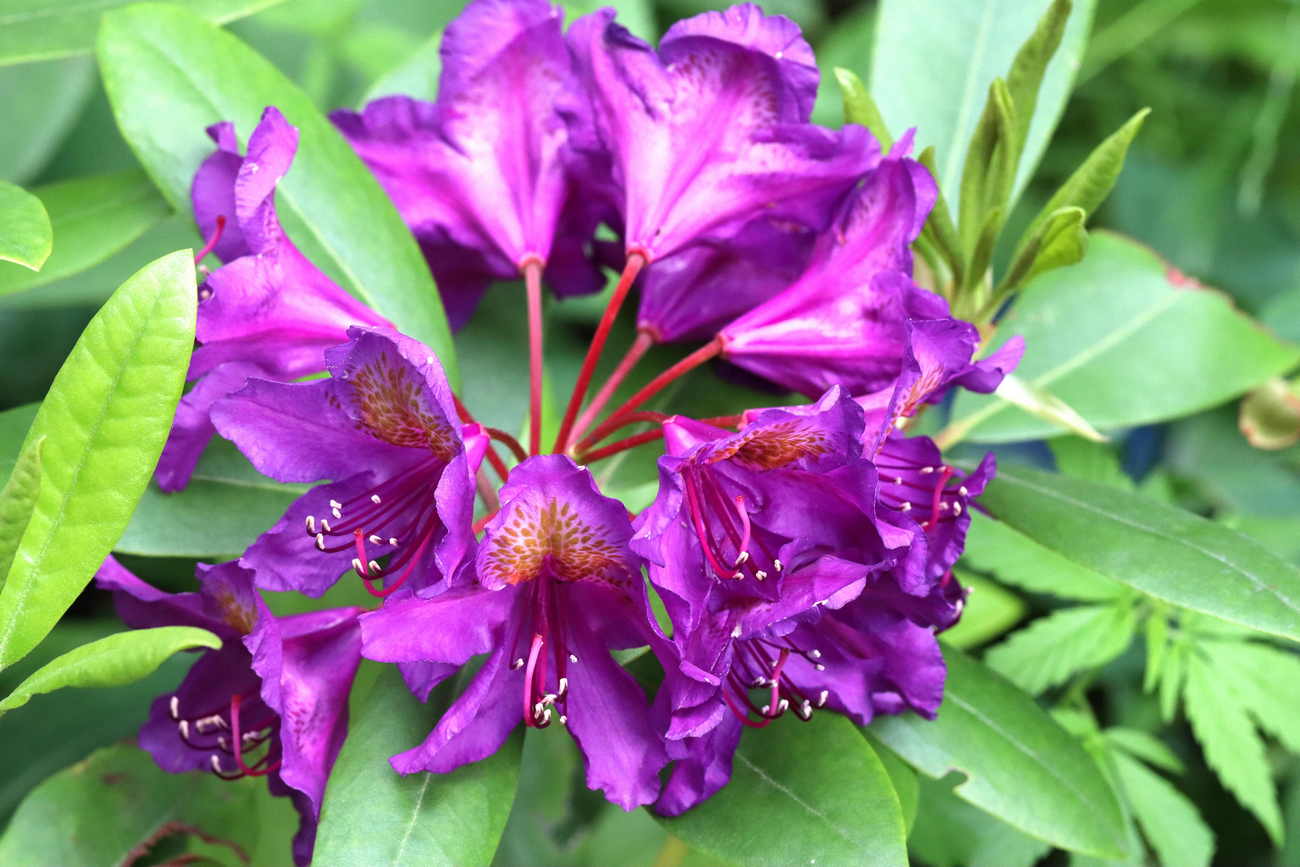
<point x="901" y="777"/>
<point x="933" y="61"/>
<point x="990" y="611"/>
<point x="1030" y="65"/>
<point x="860" y="108"/>
<point x="25" y="235"/>
<point x="1035" y="401"/>
<point x="417" y="76"/>
<point x="1145" y="746"/>
<point x="1052" y="648"/>
<point x="375" y="817"/>
<point x="994" y="546"/>
<point x="112" y="661"/>
<point x="17" y="500"/>
<point x="169" y="74"/>
<point x="798" y="792"/>
<point x="1020" y="765"/>
<point x="92" y="218"/>
<point x="44" y="29"/>
<point x="1261" y="677"/>
<point x="99" y="811"/>
<point x="1160" y="550"/>
<point x="1091" y="461"/>
<point x="1124" y="341"/>
<point x="104" y="419"/>
<point x="1232" y="747"/>
<point x="1059" y="241"/>
<point x="1168" y="819"/>
<point x="1156" y="637"/>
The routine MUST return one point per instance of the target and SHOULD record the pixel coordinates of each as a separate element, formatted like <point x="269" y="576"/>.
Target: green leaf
<point x="1030" y="65"/>
<point x="1125" y="341"/>
<point x="169" y="74"/>
<point x="994" y="546"/>
<point x="48" y="97"/>
<point x="1037" y="402"/>
<point x="1020" y="765"/>
<point x="101" y="810"/>
<point x="112" y="661"/>
<point x="417" y="76"/>
<point x="1165" y="552"/>
<point x="1168" y="819"/>
<point x="44" y="29"/>
<point x="1091" y="182"/>
<point x="1145" y="746"/>
<point x="1233" y="749"/>
<point x="17" y="500"/>
<point x="860" y="108"/>
<point x="374" y="816"/>
<point x="1156" y="636"/>
<point x="933" y="61"/>
<point x="1059" y="241"/>
<point x="901" y="777"/>
<point x="1256" y="674"/>
<point x="1052" y="648"/>
<point x="93" y="218"/>
<point x="986" y="179"/>
<point x="104" y="419"/>
<point x="1091" y="461"/>
<point x="990" y="611"/>
<point x="951" y="833"/>
<point x="798" y="792"/>
<point x="25" y="235"/>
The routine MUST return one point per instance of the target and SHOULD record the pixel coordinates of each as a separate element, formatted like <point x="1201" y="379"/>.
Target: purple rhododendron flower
<point x="228" y="714"/>
<point x="558" y="589"/>
<point x="711" y="130"/>
<point x="268" y="310"/>
<point x="384" y="429"/>
<point x="483" y="175"/>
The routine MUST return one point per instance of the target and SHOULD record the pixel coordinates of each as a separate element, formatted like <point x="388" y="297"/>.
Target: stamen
<point x="573" y="657"/>
<point x="218" y="227"/>
<point x="376" y="499"/>
<point x="175" y="706"/>
<point x="822" y="696"/>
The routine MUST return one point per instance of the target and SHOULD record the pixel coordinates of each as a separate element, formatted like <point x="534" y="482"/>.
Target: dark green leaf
<point x="1020" y="765"/>
<point x="901" y="777"/>
<point x="373" y="816"/>
<point x="1124" y="340"/>
<point x="48" y="97"/>
<point x="169" y="74"/>
<point x="993" y="546"/>
<point x="92" y="218"/>
<point x="17" y="500"/>
<point x="951" y="833"/>
<point x="1165" y="552"/>
<point x="986" y="179"/>
<point x="99" y="811"/>
<point x="105" y="419"/>
<point x="1052" y="648"/>
<point x="1168" y="819"/>
<point x="25" y="234"/>
<point x="1094" y="462"/>
<point x="799" y="792"/>
<point x="990" y="611"/>
<point x="111" y="661"/>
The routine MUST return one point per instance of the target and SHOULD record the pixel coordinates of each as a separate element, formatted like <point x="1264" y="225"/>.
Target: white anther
<point x="216" y="763"/>
<point x="205" y="293"/>
<point x="927" y="470"/>
<point x="320" y="541"/>
<point x="805" y="709"/>
<point x="735" y="633"/>
<point x="767" y="708"/>
<point x="906" y="507"/>
<point x="963" y="492"/>
<point x="562" y="688"/>
<point x="311" y="524"/>
<point x="760" y="575"/>
<point x="736" y="576"/>
<point x="759" y="681"/>
<point x="742" y="557"/>
<point x="782" y="706"/>
<point x="776" y="564"/>
<point x="374" y="566"/>
<point x="175" y="707"/>
<point x="392" y="540"/>
<point x="325" y="525"/>
<point x="820" y="667"/>
<point x="375" y="540"/>
<point x="537" y="709"/>
<point x="956" y="508"/>
<point x="335" y="504"/>
<point x="563" y="719"/>
<point x="815" y="654"/>
<point x="223" y="743"/>
<point x="943" y="505"/>
<point x="898" y="480"/>
<point x="375" y="498"/>
<point x="822" y="696"/>
<point x="517" y="664"/>
<point x="336" y="513"/>
<point x="356" y="565"/>
<point x="573" y="657"/>
<point x="184" y="726"/>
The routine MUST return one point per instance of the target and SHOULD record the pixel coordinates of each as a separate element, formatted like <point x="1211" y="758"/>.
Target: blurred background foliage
<point x="1212" y="184"/>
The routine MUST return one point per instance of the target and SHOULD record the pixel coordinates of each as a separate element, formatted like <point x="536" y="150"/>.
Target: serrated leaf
<point x="798" y="792"/>
<point x="17" y="500"/>
<point x="1165" y="552"/>
<point x="994" y="546"/>
<point x="1263" y="679"/>
<point x="25" y="235"/>
<point x="1169" y="821"/>
<point x="169" y="74"/>
<point x="1124" y="340"/>
<point x="92" y="218"/>
<point x="1173" y="677"/>
<point x="1052" y="648"/>
<point x="375" y="817"/>
<point x="1156" y="635"/>
<point x="111" y="661"/>
<point x="1020" y="765"/>
<point x="1145" y="746"/>
<point x="104" y="421"/>
<point x="1232" y="747"/>
<point x="860" y="108"/>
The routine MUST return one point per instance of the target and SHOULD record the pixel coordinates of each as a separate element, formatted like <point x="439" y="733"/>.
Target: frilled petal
<point x="213" y="193"/>
<point x="192" y="428"/>
<point x="610" y="719"/>
<point x="701" y="766"/>
<point x="711" y="131"/>
<point x="143" y="606"/>
<point x="450" y="628"/>
<point x="985" y="375"/>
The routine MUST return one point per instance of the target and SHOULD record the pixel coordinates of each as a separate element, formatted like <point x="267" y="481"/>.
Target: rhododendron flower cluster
<point x="803" y="554"/>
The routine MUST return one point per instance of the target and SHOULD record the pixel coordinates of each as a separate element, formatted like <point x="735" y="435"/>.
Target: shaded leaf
<point x="1169" y="821"/>
<point x="17" y="500"/>
<point x="951" y="833"/>
<point x="990" y="610"/>
<point x="1145" y="746"/>
<point x="48" y="97"/>
<point x="994" y="546"/>
<point x="25" y="235"/>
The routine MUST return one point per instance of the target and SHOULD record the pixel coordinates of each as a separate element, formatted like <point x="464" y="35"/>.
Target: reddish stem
<point x="635" y="353"/>
<point x="532" y="268"/>
<point x="482" y="522"/>
<point x="498" y="465"/>
<point x="636" y="260"/>
<point x="213" y="239"/>
<point x="508" y="441"/>
<point x="650" y="389"/>
<point x="622" y="445"/>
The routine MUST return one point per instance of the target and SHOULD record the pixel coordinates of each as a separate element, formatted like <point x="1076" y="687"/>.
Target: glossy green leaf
<point x="994" y="546"/>
<point x="105" y="419"/>
<point x="17" y="500"/>
<point x="799" y="792"/>
<point x="1091" y="461"/>
<point x="1233" y="749"/>
<point x="374" y="816"/>
<point x="43" y="29"/>
<point x="901" y="777"/>
<point x="169" y="74"/>
<point x="1168" y="819"/>
<point x="48" y="97"/>
<point x="92" y="218"/>
<point x="1020" y="765"/>
<point x="990" y="611"/>
<point x="1048" y="651"/>
<point x="1124" y="340"/>
<point x="25" y="235"/>
<point x="111" y="661"/>
<point x="951" y="833"/>
<point x="100" y="811"/>
<point x="1165" y="552"/>
<point x="14" y="424"/>
<point x="933" y="61"/>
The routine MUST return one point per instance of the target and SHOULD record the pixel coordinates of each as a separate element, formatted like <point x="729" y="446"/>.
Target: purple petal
<point x="213" y="193"/>
<point x="702" y="766"/>
<point x="451" y="627"/>
<point x="193" y="428"/>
